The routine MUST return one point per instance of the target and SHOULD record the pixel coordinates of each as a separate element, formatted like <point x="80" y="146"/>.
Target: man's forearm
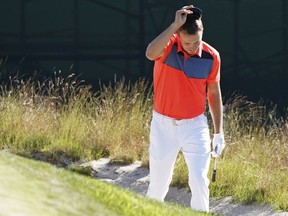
<point x="216" y="107"/>
<point x="156" y="48"/>
<point x="217" y="116"/>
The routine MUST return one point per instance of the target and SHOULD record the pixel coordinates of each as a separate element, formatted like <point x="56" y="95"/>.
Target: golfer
<point x="186" y="74"/>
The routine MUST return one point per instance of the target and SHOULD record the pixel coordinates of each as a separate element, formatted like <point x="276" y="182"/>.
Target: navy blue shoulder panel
<point x="193" y="67"/>
<point x="175" y="59"/>
<point x="206" y="55"/>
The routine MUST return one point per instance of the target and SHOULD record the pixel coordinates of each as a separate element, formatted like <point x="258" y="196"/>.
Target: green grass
<point x="31" y="188"/>
<point x="63" y="117"/>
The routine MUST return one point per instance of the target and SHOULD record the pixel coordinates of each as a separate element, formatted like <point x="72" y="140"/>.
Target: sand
<point x="136" y="178"/>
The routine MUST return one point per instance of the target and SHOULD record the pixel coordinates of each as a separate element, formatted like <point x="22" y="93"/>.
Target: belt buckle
<point x="174" y="122"/>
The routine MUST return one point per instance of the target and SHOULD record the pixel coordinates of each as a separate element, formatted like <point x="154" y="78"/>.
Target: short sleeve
<point x="214" y="75"/>
<point x="167" y="48"/>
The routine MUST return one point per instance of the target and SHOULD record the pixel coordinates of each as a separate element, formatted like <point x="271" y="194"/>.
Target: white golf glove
<point x="218" y="144"/>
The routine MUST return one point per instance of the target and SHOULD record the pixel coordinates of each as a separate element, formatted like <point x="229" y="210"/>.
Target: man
<point x="186" y="73"/>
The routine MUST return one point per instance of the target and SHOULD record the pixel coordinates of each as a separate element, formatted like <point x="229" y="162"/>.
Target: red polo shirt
<point x="180" y="80"/>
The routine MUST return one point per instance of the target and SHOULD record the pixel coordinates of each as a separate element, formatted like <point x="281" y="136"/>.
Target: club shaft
<point x="214" y="170"/>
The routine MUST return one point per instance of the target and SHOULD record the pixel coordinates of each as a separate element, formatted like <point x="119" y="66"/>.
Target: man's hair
<point x="192" y="25"/>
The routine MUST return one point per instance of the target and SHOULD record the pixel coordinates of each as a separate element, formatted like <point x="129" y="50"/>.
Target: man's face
<point x="190" y="43"/>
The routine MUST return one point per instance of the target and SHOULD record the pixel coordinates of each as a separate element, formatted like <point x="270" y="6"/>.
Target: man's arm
<point x="156" y="48"/>
<point x="215" y="106"/>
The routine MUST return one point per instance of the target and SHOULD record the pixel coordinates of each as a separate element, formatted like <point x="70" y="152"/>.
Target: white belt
<point x="173" y="121"/>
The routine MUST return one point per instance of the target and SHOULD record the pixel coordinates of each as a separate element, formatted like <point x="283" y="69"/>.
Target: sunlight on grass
<point x="36" y="188"/>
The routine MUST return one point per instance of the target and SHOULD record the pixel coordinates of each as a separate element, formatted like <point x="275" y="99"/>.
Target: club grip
<point x="214" y="175"/>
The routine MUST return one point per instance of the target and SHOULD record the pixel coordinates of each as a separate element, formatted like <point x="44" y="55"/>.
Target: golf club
<point x="214" y="170"/>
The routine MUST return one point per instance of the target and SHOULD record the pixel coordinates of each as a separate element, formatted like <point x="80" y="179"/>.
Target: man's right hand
<point x="181" y="16"/>
<point x="156" y="48"/>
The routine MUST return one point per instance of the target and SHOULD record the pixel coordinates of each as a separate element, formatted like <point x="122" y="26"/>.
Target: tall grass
<point x="61" y="116"/>
<point x="257" y="154"/>
<point x="254" y="164"/>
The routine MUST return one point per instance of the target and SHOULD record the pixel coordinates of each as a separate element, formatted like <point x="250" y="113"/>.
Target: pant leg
<point x="196" y="151"/>
<point x="162" y="156"/>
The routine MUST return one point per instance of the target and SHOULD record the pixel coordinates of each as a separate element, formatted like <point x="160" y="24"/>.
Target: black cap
<point x="196" y="12"/>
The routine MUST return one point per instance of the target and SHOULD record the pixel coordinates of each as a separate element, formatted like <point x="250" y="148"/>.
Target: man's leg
<point x="162" y="155"/>
<point x="198" y="167"/>
<point x="197" y="156"/>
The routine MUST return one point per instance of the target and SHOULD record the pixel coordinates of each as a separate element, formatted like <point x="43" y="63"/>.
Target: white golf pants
<point x="167" y="137"/>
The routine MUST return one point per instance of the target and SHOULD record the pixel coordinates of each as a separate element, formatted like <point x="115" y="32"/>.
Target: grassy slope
<point x="30" y="187"/>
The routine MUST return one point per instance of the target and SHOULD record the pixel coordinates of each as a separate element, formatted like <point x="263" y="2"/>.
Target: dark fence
<point x="101" y="39"/>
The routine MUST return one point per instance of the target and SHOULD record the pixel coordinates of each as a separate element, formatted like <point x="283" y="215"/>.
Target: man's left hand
<point x="218" y="144"/>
